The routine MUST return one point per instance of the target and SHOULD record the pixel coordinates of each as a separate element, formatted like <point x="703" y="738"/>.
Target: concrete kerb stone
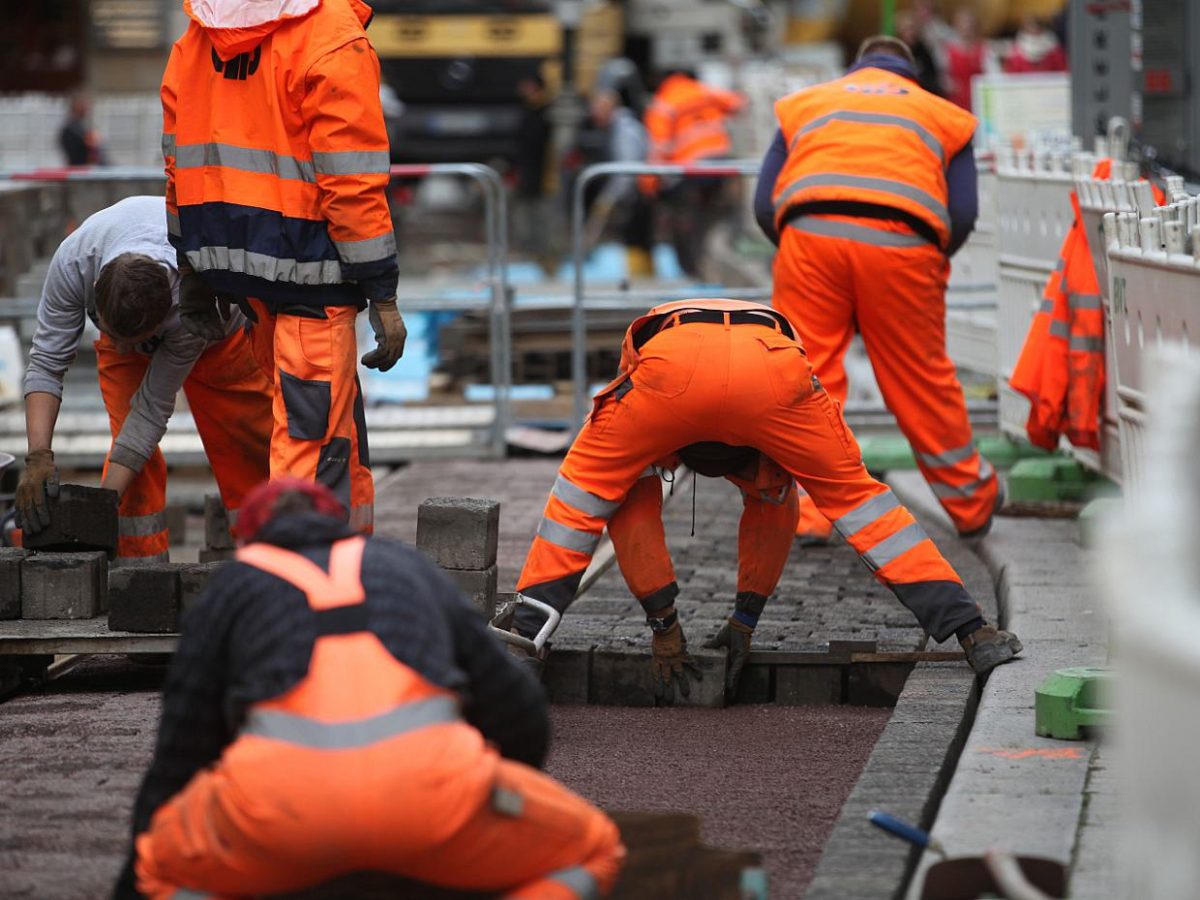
<point x="459" y="532"/>
<point x="193" y="579"/>
<point x="626" y="678"/>
<point x="64" y="585"/>
<point x="144" y="598"/>
<point x="217" y="533"/>
<point x="479" y="587"/>
<point x="10" y="581"/>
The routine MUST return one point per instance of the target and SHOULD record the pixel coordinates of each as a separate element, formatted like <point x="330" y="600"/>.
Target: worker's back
<point x="686" y="121"/>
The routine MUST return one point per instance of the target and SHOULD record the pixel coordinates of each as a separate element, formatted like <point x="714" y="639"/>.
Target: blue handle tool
<point x="901" y="829"/>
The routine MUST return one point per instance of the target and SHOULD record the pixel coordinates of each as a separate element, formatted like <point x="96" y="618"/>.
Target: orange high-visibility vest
<point x="686" y="121"/>
<point x="277" y="154"/>
<point x="870" y="137"/>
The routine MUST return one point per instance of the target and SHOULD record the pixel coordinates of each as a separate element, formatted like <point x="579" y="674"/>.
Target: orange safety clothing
<point x="755" y="388"/>
<point x="365" y="765"/>
<point x="764" y="536"/>
<point x="871" y="137"/>
<point x="277" y="153"/>
<point x="320" y="428"/>
<point x="686" y="123"/>
<point x="230" y="401"/>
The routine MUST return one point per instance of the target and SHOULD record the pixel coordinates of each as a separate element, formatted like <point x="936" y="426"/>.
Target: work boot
<point x="987" y="647"/>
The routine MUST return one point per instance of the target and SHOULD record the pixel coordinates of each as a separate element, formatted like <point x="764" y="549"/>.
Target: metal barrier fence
<point x="496" y="300"/>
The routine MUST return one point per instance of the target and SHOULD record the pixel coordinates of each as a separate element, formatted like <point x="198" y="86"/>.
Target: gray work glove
<point x="202" y="310"/>
<point x="39" y="480"/>
<point x="734" y="637"/>
<point x="390" y="335"/>
<point x="673" y="665"/>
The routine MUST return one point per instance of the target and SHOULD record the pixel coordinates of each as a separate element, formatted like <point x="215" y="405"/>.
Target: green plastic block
<point x="1053" y="479"/>
<point x="1004" y="453"/>
<point x="886" y="453"/>
<point x="1070" y="700"/>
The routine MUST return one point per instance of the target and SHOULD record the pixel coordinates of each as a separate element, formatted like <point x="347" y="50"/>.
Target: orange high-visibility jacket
<point x="1061" y="366"/>
<point x="276" y="152"/>
<point x="870" y="137"/>
<point x="686" y="124"/>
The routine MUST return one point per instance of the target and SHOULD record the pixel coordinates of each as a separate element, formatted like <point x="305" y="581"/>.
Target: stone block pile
<point x="461" y="535"/>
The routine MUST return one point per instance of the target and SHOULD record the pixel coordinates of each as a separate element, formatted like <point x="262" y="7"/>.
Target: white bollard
<point x="1127" y="229"/>
<point x="1150" y="234"/>
<point x="1109" y="226"/>
<point x="1173" y="236"/>
<point x="1195" y="232"/>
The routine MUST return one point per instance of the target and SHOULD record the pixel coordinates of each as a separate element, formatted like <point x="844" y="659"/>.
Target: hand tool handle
<point x="899" y="828"/>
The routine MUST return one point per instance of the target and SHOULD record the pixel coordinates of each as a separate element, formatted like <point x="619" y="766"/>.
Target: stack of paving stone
<point x="218" y="537"/>
<point x="460" y="534"/>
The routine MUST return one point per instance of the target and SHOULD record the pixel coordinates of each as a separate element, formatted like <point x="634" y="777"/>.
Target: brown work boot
<point x="987" y="647"/>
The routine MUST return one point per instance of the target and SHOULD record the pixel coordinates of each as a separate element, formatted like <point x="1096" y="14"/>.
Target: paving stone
<point x="144" y="599"/>
<point x="459" y="532"/>
<point x="808" y="685"/>
<point x="755" y="685"/>
<point x="64" y="585"/>
<point x="193" y="579"/>
<point x="626" y="678"/>
<point x="212" y="556"/>
<point x="876" y="684"/>
<point x="10" y="582"/>
<point x="81" y="518"/>
<point x="217" y="534"/>
<point x="479" y="586"/>
<point x="176" y="515"/>
<point x="567" y="675"/>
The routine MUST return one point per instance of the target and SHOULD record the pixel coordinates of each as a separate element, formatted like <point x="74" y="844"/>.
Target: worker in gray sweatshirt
<point x="118" y="270"/>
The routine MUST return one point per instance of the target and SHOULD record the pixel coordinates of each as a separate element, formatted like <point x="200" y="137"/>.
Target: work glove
<point x="734" y="637"/>
<point x="202" y="310"/>
<point x="673" y="665"/>
<point x="390" y="335"/>
<point x="39" y="480"/>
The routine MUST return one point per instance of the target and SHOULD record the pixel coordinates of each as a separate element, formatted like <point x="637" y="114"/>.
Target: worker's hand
<point x="673" y="665"/>
<point x="202" y="310"/>
<point x="390" y="335"/>
<point x="734" y="637"/>
<point x="39" y="480"/>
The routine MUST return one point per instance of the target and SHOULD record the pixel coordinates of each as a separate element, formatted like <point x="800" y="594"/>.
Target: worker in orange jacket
<point x="1061" y="367"/>
<point x="335" y="706"/>
<point x="687" y="124"/>
<point x="277" y="168"/>
<point x="764" y="541"/>
<point x="869" y="188"/>
<point x="733" y="372"/>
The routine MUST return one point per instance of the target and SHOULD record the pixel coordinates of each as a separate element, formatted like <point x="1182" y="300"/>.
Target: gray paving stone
<point x="177" y="520"/>
<point x="81" y="518"/>
<point x="808" y="685"/>
<point x="144" y="598"/>
<point x="193" y="579"/>
<point x="626" y="678"/>
<point x="567" y="675"/>
<point x="213" y="556"/>
<point x="10" y="582"/>
<point x="64" y="585"/>
<point x="217" y="535"/>
<point x="478" y="586"/>
<point x="459" y="532"/>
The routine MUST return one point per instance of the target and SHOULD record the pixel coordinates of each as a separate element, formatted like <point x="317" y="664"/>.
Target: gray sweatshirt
<point x="134" y="225"/>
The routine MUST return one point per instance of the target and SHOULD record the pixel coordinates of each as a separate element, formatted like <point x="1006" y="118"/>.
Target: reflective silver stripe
<point x="244" y="159"/>
<point x="866" y="118"/>
<point x="579" y="880"/>
<point x="1059" y="328"/>
<point x="189" y="894"/>
<point x="865" y="513"/>
<point x="141" y="526"/>
<point x="168" y="144"/>
<point x="173" y="225"/>
<point x="948" y="457"/>
<point x="985" y="469"/>
<point x="1085" y="301"/>
<point x="861" y="233"/>
<point x="894" y="547"/>
<point x="968" y="490"/>
<point x="362" y="516"/>
<point x="352" y="162"/>
<point x="382" y="247"/>
<point x="584" y="501"/>
<point x="868" y="182"/>
<point x="269" y="268"/>
<point x="1047" y="306"/>
<point x="567" y="537"/>
<point x="305" y="732"/>
<point x="1089" y="344"/>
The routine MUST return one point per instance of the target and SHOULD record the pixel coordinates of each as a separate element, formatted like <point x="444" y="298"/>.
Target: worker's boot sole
<point x="994" y="649"/>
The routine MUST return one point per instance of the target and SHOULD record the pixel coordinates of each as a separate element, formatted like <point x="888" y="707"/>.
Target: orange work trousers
<point x="743" y="385"/>
<point x="836" y="273"/>
<point x="230" y="401"/>
<point x="764" y="541"/>
<point x="320" y="428"/>
<point x="271" y="819"/>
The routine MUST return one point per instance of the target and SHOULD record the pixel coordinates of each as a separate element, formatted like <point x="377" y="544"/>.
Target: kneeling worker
<point x="335" y="706"/>
<point x="733" y="372"/>
<point x="119" y="270"/>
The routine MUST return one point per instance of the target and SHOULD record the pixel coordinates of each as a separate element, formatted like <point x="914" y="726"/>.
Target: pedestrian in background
<point x="531" y="218"/>
<point x="967" y="55"/>
<point x="1035" y="49"/>
<point x="929" y="74"/>
<point x="79" y="142"/>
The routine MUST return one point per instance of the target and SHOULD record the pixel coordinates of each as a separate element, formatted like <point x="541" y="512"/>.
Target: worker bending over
<point x="868" y="189"/>
<point x="701" y="371"/>
<point x="277" y="168"/>
<point x="764" y="541"/>
<point x="336" y="706"/>
<point x="118" y="270"/>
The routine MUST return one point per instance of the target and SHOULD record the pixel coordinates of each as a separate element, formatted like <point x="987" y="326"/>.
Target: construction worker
<point x="686" y="123"/>
<point x="335" y="706"/>
<point x="118" y="270"/>
<point x="277" y="166"/>
<point x="868" y="189"/>
<point x="733" y="372"/>
<point x="764" y="541"/>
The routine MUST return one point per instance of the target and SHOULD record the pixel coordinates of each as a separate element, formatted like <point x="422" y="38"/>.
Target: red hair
<point x="262" y="504"/>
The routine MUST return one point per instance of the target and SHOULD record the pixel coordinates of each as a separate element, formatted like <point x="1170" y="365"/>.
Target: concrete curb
<point x="915" y="757"/>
